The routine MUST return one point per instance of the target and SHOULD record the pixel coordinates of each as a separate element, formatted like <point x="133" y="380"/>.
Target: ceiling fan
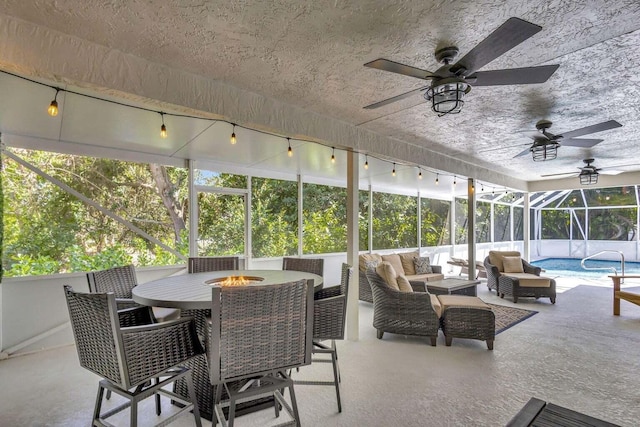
<point x="545" y="144"/>
<point x="451" y="82"/>
<point x="589" y="174"/>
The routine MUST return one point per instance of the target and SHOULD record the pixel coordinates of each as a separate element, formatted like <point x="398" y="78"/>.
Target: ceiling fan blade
<point x="515" y="76"/>
<point x="523" y="152"/>
<point x="395" y="98"/>
<point x="398" y="68"/>
<point x="611" y="124"/>
<point x="507" y="36"/>
<point x="609" y="171"/>
<point x="584" y="143"/>
<point x="564" y="173"/>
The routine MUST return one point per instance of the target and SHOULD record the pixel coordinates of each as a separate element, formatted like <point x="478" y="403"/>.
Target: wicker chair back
<point x="330" y="308"/>
<point x="205" y="264"/>
<point x="260" y="330"/>
<point x="308" y="265"/>
<point x="119" y="280"/>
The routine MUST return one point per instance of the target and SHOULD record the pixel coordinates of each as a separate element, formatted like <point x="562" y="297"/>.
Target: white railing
<point x="615" y="272"/>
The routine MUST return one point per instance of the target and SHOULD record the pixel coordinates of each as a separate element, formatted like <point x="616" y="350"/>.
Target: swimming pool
<point x="571" y="267"/>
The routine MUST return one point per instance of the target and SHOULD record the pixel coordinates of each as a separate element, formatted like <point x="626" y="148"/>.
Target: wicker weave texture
<point x="469" y="322"/>
<point x="262" y="329"/>
<point x="365" y="288"/>
<point x="119" y="280"/>
<point x="91" y="319"/>
<point x="205" y="264"/>
<point x="330" y="308"/>
<point x="408" y="313"/>
<point x="308" y="265"/>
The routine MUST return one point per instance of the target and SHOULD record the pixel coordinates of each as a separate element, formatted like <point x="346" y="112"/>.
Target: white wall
<point x="582" y="249"/>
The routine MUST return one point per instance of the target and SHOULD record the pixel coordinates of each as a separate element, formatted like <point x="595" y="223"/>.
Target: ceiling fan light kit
<point x="544" y="152"/>
<point x="451" y="82"/>
<point x="588" y="177"/>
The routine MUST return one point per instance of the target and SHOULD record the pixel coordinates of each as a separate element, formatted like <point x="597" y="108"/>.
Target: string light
<point x="454" y="180"/>
<point x="481" y="187"/>
<point x="233" y="135"/>
<point x="53" y="107"/>
<point x="393" y="172"/>
<point x="53" y="110"/>
<point x="163" y="128"/>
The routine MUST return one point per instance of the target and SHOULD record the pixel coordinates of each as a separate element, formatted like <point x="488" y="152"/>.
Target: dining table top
<point x="193" y="291"/>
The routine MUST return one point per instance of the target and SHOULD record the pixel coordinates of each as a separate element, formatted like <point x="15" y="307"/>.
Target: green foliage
<point x="435" y="219"/>
<point x="555" y="224"/>
<point x="325" y="219"/>
<point x="395" y="222"/>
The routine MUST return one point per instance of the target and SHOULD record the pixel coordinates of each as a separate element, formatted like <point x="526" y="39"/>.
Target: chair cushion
<point x="403" y="284"/>
<point x="461" y="301"/>
<point x="388" y="274"/>
<point x="528" y="280"/>
<point x="512" y="264"/>
<point x="422" y="265"/>
<point x="406" y="259"/>
<point x="495" y="257"/>
<point x="363" y="258"/>
<point x="435" y="303"/>
<point x="394" y="260"/>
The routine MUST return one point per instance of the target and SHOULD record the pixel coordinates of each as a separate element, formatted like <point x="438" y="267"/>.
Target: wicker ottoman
<point x="467" y="317"/>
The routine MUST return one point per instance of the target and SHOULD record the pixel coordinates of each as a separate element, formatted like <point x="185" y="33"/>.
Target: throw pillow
<point x="422" y="265"/>
<point x="371" y="264"/>
<point x="512" y="264"/>
<point x="394" y="260"/>
<point x="388" y="274"/>
<point x="403" y="284"/>
<point x="406" y="258"/>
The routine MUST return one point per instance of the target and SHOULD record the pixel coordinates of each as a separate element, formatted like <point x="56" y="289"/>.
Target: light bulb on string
<point x="163" y="128"/>
<point x="53" y="107"/>
<point x="482" y="188"/>
<point x="437" y="178"/>
<point x="333" y="156"/>
<point x="419" y="173"/>
<point x="454" y="180"/>
<point x="233" y="135"/>
<point x="366" y="162"/>
<point x="393" y="172"/>
<point x="289" y="151"/>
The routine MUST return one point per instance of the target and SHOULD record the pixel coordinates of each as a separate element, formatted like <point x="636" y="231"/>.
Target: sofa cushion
<point x="528" y="280"/>
<point x="512" y="264"/>
<point x="406" y="259"/>
<point x="388" y="274"/>
<point x="422" y="265"/>
<point x="363" y="258"/>
<point x="495" y="258"/>
<point x="435" y="303"/>
<point x="403" y="284"/>
<point x="394" y="260"/>
<point x="426" y="277"/>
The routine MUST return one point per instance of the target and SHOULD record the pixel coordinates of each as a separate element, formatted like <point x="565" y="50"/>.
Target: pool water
<point x="571" y="267"/>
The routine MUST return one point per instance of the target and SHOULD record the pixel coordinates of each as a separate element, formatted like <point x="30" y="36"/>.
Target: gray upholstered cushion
<point x="422" y="265"/>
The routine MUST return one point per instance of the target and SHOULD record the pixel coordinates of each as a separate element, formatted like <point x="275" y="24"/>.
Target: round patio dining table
<point x="193" y="291"/>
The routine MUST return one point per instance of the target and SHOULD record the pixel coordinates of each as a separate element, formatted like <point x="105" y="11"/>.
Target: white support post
<point x="353" y="208"/>
<point x="471" y="229"/>
<point x="525" y="228"/>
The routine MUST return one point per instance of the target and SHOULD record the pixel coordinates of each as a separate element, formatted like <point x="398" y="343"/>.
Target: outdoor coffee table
<point x="453" y="286"/>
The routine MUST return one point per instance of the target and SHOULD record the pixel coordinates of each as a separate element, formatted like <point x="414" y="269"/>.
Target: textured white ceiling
<point x="310" y="55"/>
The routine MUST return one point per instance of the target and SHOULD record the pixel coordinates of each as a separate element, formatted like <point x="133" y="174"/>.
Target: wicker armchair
<point x="135" y="362"/>
<point x="248" y="359"/>
<point x="329" y="319"/>
<point x="505" y="284"/>
<point x="205" y="264"/>
<point x="365" y="292"/>
<point x="407" y="313"/>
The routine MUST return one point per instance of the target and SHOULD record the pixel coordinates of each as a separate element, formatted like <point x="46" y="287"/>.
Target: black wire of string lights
<point x="53" y="110"/>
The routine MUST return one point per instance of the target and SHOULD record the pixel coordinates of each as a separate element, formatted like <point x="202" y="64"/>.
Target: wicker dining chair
<point x="205" y="264"/>
<point x="135" y="362"/>
<point x="329" y="319"/>
<point x="308" y="265"/>
<point x="258" y="334"/>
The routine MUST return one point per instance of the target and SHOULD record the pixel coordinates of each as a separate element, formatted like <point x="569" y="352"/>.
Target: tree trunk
<point x="165" y="189"/>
